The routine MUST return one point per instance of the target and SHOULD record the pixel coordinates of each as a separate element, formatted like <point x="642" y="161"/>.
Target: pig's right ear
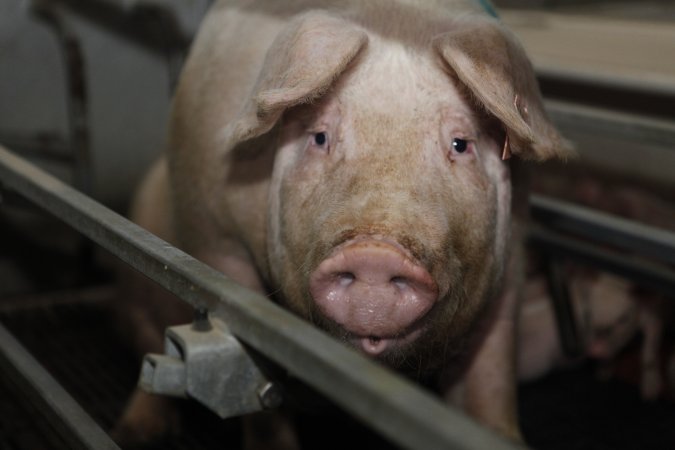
<point x="301" y="65"/>
<point x="488" y="59"/>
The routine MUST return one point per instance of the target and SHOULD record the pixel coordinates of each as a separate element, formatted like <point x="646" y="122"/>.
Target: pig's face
<point x="608" y="311"/>
<point x="389" y="205"/>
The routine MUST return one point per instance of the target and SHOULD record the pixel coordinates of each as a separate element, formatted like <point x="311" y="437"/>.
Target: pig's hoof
<point x="146" y="419"/>
<point x="270" y="430"/>
<point x="651" y="384"/>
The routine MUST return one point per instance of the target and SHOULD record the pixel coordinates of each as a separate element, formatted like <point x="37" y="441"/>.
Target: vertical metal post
<point x="74" y="66"/>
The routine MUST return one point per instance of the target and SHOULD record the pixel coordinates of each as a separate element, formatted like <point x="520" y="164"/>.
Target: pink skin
<point x="375" y="291"/>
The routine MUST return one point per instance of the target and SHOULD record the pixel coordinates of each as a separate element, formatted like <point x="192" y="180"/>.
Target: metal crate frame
<point x="393" y="406"/>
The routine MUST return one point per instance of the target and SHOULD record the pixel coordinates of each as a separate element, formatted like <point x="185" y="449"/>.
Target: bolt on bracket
<point x="204" y="361"/>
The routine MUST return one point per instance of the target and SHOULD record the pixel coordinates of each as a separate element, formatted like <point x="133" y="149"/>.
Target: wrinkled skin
<point x="348" y="164"/>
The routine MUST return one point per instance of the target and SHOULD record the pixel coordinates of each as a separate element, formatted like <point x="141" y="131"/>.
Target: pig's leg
<point x="651" y="383"/>
<point x="145" y="310"/>
<point x="270" y="430"/>
<point x="487" y="390"/>
<point x="489" y="387"/>
<point x="537" y="341"/>
<point x="146" y="418"/>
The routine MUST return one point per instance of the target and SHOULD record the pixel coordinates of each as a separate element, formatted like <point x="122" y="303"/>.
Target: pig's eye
<point x="460" y="145"/>
<point x="320" y="139"/>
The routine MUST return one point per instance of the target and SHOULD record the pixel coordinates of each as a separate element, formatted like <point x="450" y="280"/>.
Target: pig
<point x="351" y="161"/>
<point x="609" y="312"/>
<point x="605" y="310"/>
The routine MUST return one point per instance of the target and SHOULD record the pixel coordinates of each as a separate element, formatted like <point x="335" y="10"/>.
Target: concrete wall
<point x="128" y="92"/>
<point x="128" y="89"/>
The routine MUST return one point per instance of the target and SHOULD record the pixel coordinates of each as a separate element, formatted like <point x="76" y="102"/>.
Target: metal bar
<point x="568" y="332"/>
<point x="67" y="418"/>
<point x="147" y="24"/>
<point x="652" y="87"/>
<point x="618" y="142"/>
<point x="645" y="272"/>
<point x="78" y="117"/>
<point x="76" y="90"/>
<point x="383" y="400"/>
<point x="48" y="145"/>
<point x="604" y="228"/>
<point x="648" y="132"/>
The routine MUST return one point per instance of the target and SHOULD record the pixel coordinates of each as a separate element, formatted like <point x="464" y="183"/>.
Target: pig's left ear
<point x="490" y="61"/>
<point x="301" y="65"/>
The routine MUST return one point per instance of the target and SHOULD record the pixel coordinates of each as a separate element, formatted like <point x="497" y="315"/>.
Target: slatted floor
<point x="78" y="344"/>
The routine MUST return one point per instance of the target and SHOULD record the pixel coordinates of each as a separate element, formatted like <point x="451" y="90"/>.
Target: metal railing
<point x="395" y="407"/>
<point x="71" y="422"/>
<point x="383" y="400"/>
<point x="628" y="248"/>
<point x="565" y="231"/>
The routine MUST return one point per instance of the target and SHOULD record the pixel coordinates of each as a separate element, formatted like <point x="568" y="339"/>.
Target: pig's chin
<point x="390" y="349"/>
<point x="419" y="349"/>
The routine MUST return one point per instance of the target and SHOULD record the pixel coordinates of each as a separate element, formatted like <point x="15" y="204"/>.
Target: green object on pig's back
<point x="487" y="6"/>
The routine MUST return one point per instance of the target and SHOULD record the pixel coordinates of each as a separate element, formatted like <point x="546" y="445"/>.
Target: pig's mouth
<point x="376" y="346"/>
<point x="374" y="343"/>
<point x="385" y="348"/>
<point x="389" y="347"/>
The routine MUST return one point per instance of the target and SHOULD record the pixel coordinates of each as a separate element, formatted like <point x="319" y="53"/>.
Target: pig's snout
<point x="375" y="291"/>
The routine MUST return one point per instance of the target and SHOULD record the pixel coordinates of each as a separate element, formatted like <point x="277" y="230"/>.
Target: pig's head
<point x="389" y="208"/>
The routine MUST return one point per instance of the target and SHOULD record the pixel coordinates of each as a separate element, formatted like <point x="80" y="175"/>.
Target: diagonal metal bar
<point x="385" y="401"/>
<point x="64" y="414"/>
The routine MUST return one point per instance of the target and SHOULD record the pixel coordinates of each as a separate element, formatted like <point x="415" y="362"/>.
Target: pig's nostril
<point x="399" y="281"/>
<point x="345" y="278"/>
<point x="374" y="290"/>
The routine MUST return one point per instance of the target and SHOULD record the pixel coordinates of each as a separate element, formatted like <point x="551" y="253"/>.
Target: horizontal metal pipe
<point x="385" y="401"/>
<point x="603" y="228"/>
<point x="646" y="273"/>
<point x="647" y="132"/>
<point x="48" y="144"/>
<point x="65" y="415"/>
<point x="653" y="87"/>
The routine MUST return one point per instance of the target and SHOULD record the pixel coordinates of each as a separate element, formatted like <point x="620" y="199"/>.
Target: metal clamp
<point x="204" y="361"/>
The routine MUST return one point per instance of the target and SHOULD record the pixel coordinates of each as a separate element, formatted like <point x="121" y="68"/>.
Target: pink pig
<point x="348" y="159"/>
<point x="609" y="313"/>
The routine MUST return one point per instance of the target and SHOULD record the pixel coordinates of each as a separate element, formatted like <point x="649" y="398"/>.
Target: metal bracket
<point x="204" y="361"/>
